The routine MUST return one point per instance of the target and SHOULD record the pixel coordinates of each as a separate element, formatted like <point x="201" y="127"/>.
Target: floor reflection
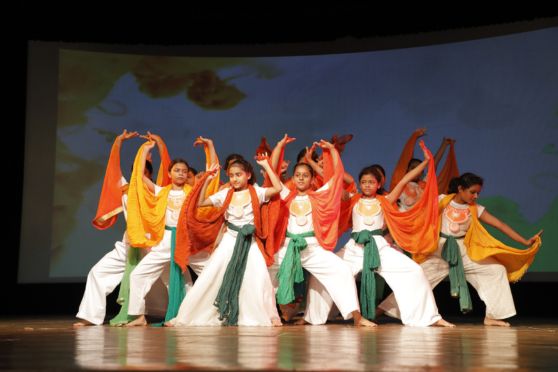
<point x="333" y="347"/>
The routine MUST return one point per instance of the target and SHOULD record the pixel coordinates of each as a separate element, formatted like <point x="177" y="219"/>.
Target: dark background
<point x="294" y="30"/>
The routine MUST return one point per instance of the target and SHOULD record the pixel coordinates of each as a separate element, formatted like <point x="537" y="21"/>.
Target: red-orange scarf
<point x="198" y="231"/>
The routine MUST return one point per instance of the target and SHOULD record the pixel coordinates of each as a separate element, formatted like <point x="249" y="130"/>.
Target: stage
<point x="51" y="343"/>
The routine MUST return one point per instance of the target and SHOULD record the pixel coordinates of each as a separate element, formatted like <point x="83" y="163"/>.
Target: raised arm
<point x="398" y="189"/>
<point x="123" y="137"/>
<point x="336" y="159"/>
<point x="308" y="159"/>
<point x="158" y="140"/>
<point x="163" y="177"/>
<point x="146" y="151"/>
<point x="209" y="147"/>
<point x="276" y="186"/>
<point x="506" y="229"/>
<point x="213" y="169"/>
<point x="347" y="178"/>
<point x="278" y="149"/>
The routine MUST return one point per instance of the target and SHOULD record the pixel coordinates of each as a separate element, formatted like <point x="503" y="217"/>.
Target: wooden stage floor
<point x="52" y="343"/>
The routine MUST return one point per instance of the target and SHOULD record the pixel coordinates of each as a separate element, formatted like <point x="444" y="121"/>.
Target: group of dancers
<point x="257" y="250"/>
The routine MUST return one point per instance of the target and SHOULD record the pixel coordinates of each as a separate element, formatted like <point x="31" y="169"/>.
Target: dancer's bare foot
<point x="138" y="322"/>
<point x="443" y="323"/>
<point x="276" y="322"/>
<point x="288" y="311"/>
<point x="301" y="321"/>
<point x="495" y="322"/>
<point x="360" y="321"/>
<point x="82" y="323"/>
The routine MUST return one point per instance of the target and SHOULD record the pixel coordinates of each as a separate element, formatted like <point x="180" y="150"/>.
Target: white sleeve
<point x="260" y="191"/>
<point x="218" y="198"/>
<point x="125" y="206"/>
<point x="157" y="189"/>
<point x="480" y="210"/>
<point x="284" y="191"/>
<point x="324" y="187"/>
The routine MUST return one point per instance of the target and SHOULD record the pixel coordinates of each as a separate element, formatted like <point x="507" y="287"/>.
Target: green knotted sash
<point x="177" y="290"/>
<point x="290" y="271"/>
<point x="371" y="262"/>
<point x="458" y="283"/>
<point x="227" y="298"/>
<point x="122" y="318"/>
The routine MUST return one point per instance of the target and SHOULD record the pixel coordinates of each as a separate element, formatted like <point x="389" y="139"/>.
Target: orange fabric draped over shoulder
<point x="325" y="208"/>
<point x="271" y="212"/>
<point x="346" y="208"/>
<point x="449" y="170"/>
<point x="351" y="188"/>
<point x="206" y="222"/>
<point x="110" y="201"/>
<point x="146" y="211"/>
<point x="416" y="230"/>
<point x="346" y="214"/>
<point x="326" y="204"/>
<point x="198" y="231"/>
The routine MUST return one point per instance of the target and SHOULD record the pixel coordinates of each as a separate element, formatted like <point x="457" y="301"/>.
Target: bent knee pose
<point x="467" y="253"/>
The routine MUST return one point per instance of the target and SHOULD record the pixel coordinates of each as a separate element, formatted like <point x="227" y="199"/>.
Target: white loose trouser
<point x="488" y="277"/>
<point x="404" y="276"/>
<point x="150" y="269"/>
<point x="331" y="272"/>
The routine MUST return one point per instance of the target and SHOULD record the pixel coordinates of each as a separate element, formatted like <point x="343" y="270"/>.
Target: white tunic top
<point x="368" y="215"/>
<point x="456" y="218"/>
<point x="300" y="213"/>
<point x="240" y="210"/>
<point x="174" y="204"/>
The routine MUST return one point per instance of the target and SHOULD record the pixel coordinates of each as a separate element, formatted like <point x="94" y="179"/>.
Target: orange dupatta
<point x="198" y="231"/>
<point x="414" y="230"/>
<point x="110" y="201"/>
<point x="325" y="208"/>
<point x="449" y="170"/>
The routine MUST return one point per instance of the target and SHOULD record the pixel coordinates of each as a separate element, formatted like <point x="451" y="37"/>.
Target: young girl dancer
<point x="307" y="234"/>
<point x="414" y="188"/>
<point x="368" y="252"/>
<point x="235" y="287"/>
<point x="109" y="271"/>
<point x="468" y="253"/>
<point x="152" y="219"/>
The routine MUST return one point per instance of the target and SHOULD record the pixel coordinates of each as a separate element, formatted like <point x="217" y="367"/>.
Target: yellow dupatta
<point x="481" y="245"/>
<point x="146" y="211"/>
